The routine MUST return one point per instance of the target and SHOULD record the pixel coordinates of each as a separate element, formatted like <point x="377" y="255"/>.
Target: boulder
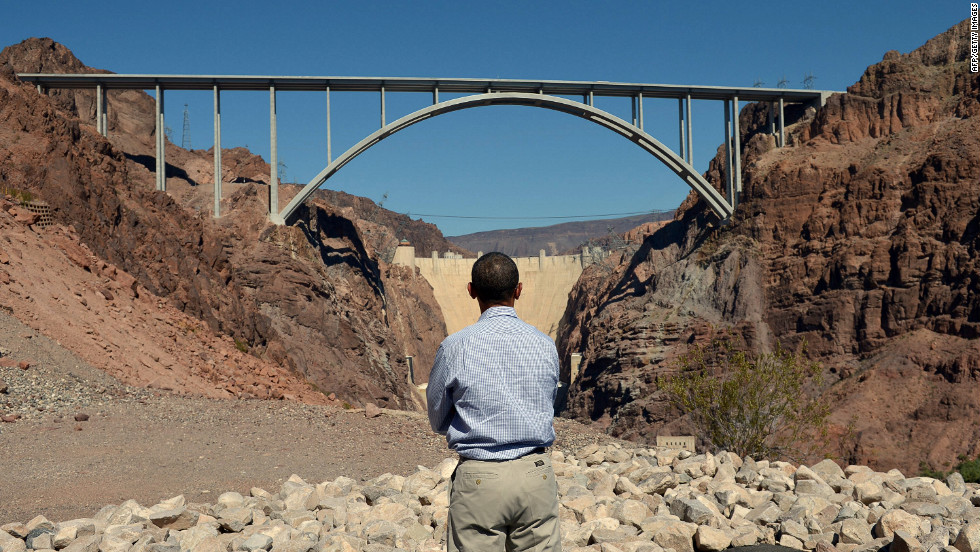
<point x="898" y="520"/>
<point x="176" y="519"/>
<point x="679" y="536"/>
<point x="904" y="542"/>
<point x="371" y="410"/>
<point x="968" y="539"/>
<point x="707" y="539"/>
<point x="257" y="542"/>
<point x="119" y="538"/>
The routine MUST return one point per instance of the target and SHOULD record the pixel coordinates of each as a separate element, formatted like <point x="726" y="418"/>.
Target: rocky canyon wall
<point x="860" y="238"/>
<point x="314" y="297"/>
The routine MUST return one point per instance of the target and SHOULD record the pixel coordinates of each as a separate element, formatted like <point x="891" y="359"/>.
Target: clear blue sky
<point x="494" y="161"/>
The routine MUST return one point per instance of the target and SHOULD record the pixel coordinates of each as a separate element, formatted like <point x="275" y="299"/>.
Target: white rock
<point x="904" y="542"/>
<point x="39" y="522"/>
<point x="176" y="519"/>
<point x="790" y="542"/>
<point x="83" y="526"/>
<point x="421" y="482"/>
<point x="88" y="543"/>
<point x="119" y="538"/>
<point x="40" y="541"/>
<point x="16" y="530"/>
<point x="257" y="542"/>
<point x="294" y="518"/>
<point x="297" y="496"/>
<point x="446" y="468"/>
<point x="259" y="493"/>
<point x="968" y="539"/>
<point x="854" y="531"/>
<point x="63" y="536"/>
<point x="231" y="500"/>
<point x="707" y="539"/>
<point x="631" y="512"/>
<point x="678" y="536"/>
<point x="234" y="519"/>
<point x="898" y="520"/>
<point x="868" y="492"/>
<point x="8" y="542"/>
<point x="828" y="470"/>
<point x="746" y="535"/>
<point x="624" y="486"/>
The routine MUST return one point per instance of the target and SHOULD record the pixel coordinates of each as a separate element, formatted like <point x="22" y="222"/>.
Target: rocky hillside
<point x="313" y="299"/>
<point x="860" y="238"/>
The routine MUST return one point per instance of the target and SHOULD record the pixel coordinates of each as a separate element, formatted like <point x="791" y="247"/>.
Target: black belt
<point x="539" y="450"/>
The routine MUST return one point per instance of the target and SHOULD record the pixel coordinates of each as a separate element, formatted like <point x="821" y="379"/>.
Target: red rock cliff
<point x="314" y="297"/>
<point x="861" y="237"/>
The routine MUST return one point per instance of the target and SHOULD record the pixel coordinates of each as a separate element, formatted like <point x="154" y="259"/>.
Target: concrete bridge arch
<point x="668" y="157"/>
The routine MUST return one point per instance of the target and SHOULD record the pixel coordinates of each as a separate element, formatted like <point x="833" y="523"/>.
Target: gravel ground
<point x="147" y="445"/>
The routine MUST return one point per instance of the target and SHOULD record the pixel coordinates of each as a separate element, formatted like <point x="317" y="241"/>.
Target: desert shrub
<point x="751" y="405"/>
<point x="22" y="196"/>
<point x="241" y="345"/>
<point x="926" y="470"/>
<point x="969" y="469"/>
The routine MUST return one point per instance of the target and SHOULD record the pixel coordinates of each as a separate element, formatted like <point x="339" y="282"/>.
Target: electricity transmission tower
<point x="185" y="137"/>
<point x="782" y="82"/>
<point x="808" y="80"/>
<point x="758" y="83"/>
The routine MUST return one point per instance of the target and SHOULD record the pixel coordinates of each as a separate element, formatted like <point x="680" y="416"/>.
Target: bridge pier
<point x="161" y="166"/>
<point x="680" y="124"/>
<point x="217" y="152"/>
<point x="274" y="155"/>
<point x="382" y="106"/>
<point x="738" y="153"/>
<point x="639" y="102"/>
<point x="782" y="131"/>
<point x="729" y="181"/>
<point x="690" y="133"/>
<point x="329" y="144"/>
<point x="101" y="120"/>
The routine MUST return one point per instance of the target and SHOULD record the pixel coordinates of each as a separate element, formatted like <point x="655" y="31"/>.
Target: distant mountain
<point x="555" y="239"/>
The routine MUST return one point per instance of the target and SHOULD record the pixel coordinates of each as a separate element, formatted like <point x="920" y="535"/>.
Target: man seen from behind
<point x="491" y="393"/>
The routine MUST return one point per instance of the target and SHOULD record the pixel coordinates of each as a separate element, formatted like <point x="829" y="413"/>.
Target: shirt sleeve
<point x="556" y="370"/>
<point x="438" y="394"/>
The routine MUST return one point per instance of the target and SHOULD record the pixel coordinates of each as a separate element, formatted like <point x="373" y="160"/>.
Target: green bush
<point x="753" y="406"/>
<point x="969" y="469"/>
<point x="241" y="345"/>
<point x="22" y="196"/>
<point x="925" y="470"/>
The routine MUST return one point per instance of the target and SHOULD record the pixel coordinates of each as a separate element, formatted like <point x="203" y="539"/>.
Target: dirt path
<point x="164" y="446"/>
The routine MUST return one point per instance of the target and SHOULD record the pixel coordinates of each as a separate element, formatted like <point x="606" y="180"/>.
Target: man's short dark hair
<point x="494" y="277"/>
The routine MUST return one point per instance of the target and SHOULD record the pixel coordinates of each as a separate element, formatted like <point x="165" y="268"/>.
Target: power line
<point x="650" y="212"/>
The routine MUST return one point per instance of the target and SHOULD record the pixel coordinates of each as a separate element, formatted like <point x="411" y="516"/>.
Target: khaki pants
<point x="510" y="505"/>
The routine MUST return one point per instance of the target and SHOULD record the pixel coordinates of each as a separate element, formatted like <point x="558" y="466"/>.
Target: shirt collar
<point x="498" y="311"/>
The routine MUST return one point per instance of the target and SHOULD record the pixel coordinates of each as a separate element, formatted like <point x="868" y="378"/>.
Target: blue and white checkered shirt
<point x="492" y="388"/>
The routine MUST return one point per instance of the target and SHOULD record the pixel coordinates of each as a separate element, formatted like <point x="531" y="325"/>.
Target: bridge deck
<point x="405" y="84"/>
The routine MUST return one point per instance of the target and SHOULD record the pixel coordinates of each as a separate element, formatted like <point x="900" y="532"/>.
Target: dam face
<point x="547" y="282"/>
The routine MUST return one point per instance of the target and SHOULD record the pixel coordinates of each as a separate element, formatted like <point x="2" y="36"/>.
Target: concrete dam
<point x="547" y="282"/>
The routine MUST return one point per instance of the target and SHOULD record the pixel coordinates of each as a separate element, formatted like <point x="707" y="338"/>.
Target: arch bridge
<point x="548" y="94"/>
